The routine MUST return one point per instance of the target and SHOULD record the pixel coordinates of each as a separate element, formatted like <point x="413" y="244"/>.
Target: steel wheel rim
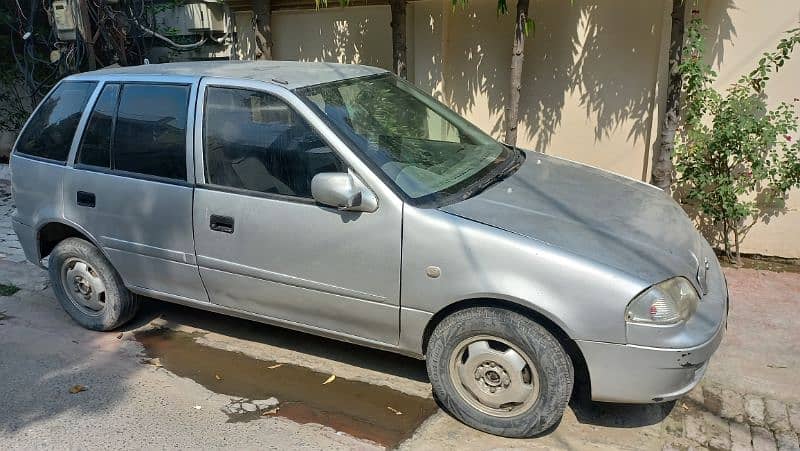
<point x="494" y="376"/>
<point x="83" y="286"/>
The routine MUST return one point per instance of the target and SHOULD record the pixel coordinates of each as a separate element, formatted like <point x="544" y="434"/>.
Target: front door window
<point x="254" y="141"/>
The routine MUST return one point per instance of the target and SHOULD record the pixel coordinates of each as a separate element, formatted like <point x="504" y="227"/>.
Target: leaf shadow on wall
<point x="355" y="35"/>
<point x="593" y="64"/>
<point x="602" y="56"/>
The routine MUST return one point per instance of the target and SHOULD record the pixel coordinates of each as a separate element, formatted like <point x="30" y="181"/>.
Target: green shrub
<point x="735" y="156"/>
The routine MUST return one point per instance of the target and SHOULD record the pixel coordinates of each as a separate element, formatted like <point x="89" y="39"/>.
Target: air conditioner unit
<point x="206" y="17"/>
<point x="193" y="18"/>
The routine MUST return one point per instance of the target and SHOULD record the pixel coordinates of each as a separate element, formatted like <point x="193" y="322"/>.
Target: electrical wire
<point x="169" y="41"/>
<point x="125" y="32"/>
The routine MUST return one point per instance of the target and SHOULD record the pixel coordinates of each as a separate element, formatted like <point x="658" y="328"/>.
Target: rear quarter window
<point x="50" y="131"/>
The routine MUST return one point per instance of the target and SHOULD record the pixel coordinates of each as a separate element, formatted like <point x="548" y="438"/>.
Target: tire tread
<point x="121" y="304"/>
<point x="556" y="372"/>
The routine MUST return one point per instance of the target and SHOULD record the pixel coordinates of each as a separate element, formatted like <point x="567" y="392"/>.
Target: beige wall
<point x="593" y="79"/>
<point x="359" y="35"/>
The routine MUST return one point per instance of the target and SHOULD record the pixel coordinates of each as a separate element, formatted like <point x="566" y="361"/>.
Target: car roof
<point x="291" y="74"/>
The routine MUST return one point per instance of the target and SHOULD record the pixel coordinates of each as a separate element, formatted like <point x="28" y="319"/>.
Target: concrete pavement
<point x="126" y="404"/>
<point x="134" y="405"/>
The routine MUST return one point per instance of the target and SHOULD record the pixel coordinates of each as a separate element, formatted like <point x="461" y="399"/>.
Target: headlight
<point x="668" y="302"/>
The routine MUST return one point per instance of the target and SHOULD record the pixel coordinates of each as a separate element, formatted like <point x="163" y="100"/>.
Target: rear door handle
<point x="221" y="223"/>
<point x="85" y="199"/>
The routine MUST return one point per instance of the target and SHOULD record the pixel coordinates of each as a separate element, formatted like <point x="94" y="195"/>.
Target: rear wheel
<point x="88" y="287"/>
<point x="499" y="371"/>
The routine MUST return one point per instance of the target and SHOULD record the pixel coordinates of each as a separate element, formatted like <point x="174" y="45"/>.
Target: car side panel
<point x="144" y="227"/>
<point x="37" y="195"/>
<point x="477" y="261"/>
<point x="303" y="263"/>
<point x="36" y="185"/>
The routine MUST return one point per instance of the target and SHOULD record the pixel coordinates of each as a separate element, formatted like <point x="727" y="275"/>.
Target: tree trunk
<point x="398" y="37"/>
<point x="662" y="168"/>
<point x="726" y="240"/>
<point x="517" y="56"/>
<point x="85" y="29"/>
<point x="262" y="10"/>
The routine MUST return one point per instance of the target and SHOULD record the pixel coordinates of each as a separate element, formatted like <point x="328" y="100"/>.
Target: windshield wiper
<point x="498" y="176"/>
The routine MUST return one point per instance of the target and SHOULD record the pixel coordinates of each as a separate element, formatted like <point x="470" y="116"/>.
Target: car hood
<point x="616" y="221"/>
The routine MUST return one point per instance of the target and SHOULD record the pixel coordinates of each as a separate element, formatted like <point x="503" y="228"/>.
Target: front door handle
<point x="85" y="199"/>
<point x="221" y="223"/>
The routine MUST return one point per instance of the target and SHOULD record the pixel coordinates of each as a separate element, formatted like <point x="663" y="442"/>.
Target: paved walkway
<point x="748" y="400"/>
<point x="9" y="246"/>
<point x="761" y="350"/>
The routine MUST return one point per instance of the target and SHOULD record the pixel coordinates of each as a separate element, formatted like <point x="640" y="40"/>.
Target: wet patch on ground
<point x="265" y="388"/>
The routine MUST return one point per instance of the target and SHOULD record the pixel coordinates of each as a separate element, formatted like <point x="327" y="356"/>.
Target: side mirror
<point x="343" y="191"/>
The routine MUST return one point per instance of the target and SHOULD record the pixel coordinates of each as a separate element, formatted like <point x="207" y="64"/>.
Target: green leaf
<point x="530" y="27"/>
<point x="502" y="7"/>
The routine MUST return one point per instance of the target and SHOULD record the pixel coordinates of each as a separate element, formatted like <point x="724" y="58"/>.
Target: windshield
<point x="428" y="151"/>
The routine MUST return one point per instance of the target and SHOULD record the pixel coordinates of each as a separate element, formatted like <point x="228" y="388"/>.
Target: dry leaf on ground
<point x="270" y="412"/>
<point x="77" y="388"/>
<point x="155" y="361"/>
<point x="330" y="379"/>
<point x="775" y="366"/>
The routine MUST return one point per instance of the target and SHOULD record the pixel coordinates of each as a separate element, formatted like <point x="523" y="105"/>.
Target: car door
<point x="263" y="245"/>
<point x="130" y="185"/>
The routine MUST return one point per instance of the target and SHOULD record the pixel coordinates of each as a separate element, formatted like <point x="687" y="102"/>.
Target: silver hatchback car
<point x="342" y="201"/>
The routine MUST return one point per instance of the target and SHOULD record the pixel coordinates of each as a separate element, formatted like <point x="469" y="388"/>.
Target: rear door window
<point x="150" y="130"/>
<point x="95" y="147"/>
<point x="50" y="131"/>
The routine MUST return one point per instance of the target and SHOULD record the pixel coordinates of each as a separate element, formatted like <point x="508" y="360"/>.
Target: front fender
<point x="584" y="298"/>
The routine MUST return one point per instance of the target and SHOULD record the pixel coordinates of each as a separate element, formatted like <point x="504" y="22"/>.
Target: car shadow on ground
<point x="614" y="415"/>
<point x="585" y="410"/>
<point x="620" y="415"/>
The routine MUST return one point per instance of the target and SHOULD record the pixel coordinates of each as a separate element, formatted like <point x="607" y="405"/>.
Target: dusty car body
<point x="366" y="250"/>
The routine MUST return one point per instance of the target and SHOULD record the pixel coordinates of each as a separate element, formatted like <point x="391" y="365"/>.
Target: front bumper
<point x="641" y="374"/>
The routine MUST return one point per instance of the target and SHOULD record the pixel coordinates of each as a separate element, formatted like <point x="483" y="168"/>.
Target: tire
<point x="76" y="264"/>
<point x="451" y="358"/>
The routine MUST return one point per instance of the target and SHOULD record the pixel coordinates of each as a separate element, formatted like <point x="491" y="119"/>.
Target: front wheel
<point x="499" y="371"/>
